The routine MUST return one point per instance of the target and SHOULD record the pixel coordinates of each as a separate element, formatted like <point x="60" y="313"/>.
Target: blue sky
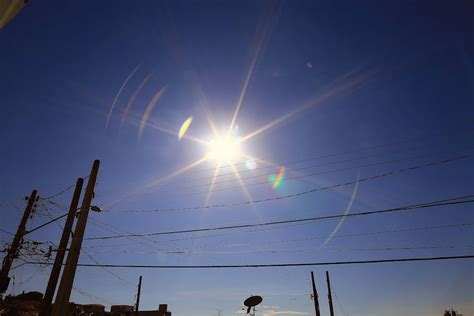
<point x="353" y="76"/>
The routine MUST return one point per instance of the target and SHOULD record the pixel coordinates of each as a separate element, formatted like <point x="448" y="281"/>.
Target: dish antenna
<point x="252" y="301"/>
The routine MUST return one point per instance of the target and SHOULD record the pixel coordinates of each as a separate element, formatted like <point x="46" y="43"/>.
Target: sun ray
<point x="158" y="181"/>
<point x="209" y="192"/>
<point x="118" y="95"/>
<point x="207" y="113"/>
<point x="333" y="91"/>
<point x="132" y="98"/>
<point x="243" y="92"/>
<point x="243" y="187"/>
<point x="149" y="109"/>
<point x="265" y="29"/>
<point x="176" y="173"/>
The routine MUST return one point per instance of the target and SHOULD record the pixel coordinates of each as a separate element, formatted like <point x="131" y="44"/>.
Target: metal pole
<point x="14" y="248"/>
<point x="137" y="305"/>
<point x="331" y="308"/>
<point x="58" y="260"/>
<point x="60" y="307"/>
<point x="315" y="296"/>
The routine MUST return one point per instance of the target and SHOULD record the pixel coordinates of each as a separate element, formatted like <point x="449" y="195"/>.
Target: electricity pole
<point x="331" y="308"/>
<point x="137" y="304"/>
<point x="315" y="296"/>
<point x="15" y="246"/>
<point x="61" y="251"/>
<point x="60" y="307"/>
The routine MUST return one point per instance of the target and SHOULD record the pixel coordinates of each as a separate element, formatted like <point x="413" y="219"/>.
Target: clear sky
<point x="337" y="79"/>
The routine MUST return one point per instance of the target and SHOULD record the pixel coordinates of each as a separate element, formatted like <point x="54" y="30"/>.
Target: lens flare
<point x="184" y="127"/>
<point x="250" y="164"/>
<point x="277" y="179"/>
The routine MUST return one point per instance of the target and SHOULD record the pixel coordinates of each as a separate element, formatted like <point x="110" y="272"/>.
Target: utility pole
<point x="15" y="246"/>
<point x="60" y="307"/>
<point x="137" y="304"/>
<point x="315" y="296"/>
<point x="331" y="308"/>
<point x="61" y="251"/>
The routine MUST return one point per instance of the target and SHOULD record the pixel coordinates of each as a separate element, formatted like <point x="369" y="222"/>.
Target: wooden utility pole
<point x="331" y="308"/>
<point x="315" y="295"/>
<point x="60" y="307"/>
<point x="15" y="246"/>
<point x="137" y="304"/>
<point x="61" y="251"/>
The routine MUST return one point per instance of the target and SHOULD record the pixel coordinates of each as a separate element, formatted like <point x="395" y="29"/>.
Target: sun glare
<point x="224" y="149"/>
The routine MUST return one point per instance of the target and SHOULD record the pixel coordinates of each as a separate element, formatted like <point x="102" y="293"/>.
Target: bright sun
<point x="224" y="149"/>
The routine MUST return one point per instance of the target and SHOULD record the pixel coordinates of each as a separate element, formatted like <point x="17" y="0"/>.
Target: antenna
<point x="251" y="302"/>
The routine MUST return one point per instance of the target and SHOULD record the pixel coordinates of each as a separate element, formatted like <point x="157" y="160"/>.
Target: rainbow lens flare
<point x="277" y="179"/>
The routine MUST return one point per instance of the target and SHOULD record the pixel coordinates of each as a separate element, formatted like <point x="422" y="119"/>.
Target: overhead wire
<point x="411" y="140"/>
<point x="281" y="241"/>
<point x="275" y="265"/>
<point x="116" y="276"/>
<point x="61" y="192"/>
<point x="338" y="301"/>
<point x="301" y="193"/>
<point x="373" y="164"/>
<point x="299" y="250"/>
<point x="92" y="296"/>
<point x="444" y="202"/>
<point x="7" y="232"/>
<point x="312" y="166"/>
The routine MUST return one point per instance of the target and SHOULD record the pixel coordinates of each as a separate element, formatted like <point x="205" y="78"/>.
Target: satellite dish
<point x="252" y="301"/>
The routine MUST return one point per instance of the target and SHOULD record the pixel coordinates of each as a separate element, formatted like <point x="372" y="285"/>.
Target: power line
<point x="445" y="202"/>
<point x="128" y="283"/>
<point x="61" y="192"/>
<point x="339" y="302"/>
<point x="378" y="176"/>
<point x="7" y="232"/>
<point x="311" y="166"/>
<point x="265" y="243"/>
<point x="416" y="139"/>
<point x="311" y="174"/>
<point x="92" y="296"/>
<point x="114" y="230"/>
<point x="271" y="265"/>
<point x="45" y="224"/>
<point x="300" y="250"/>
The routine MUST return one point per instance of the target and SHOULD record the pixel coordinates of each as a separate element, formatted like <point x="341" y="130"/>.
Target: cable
<point x="271" y="265"/>
<point x="301" y="250"/>
<point x="444" y="202"/>
<point x="45" y="224"/>
<point x="61" y="192"/>
<point x="311" y="174"/>
<point x="266" y="243"/>
<point x="378" y="176"/>
<point x="115" y="230"/>
<point x="338" y="302"/>
<point x="345" y="152"/>
<point x="95" y="298"/>
<point x="128" y="283"/>
<point x="311" y="166"/>
<point x="7" y="232"/>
